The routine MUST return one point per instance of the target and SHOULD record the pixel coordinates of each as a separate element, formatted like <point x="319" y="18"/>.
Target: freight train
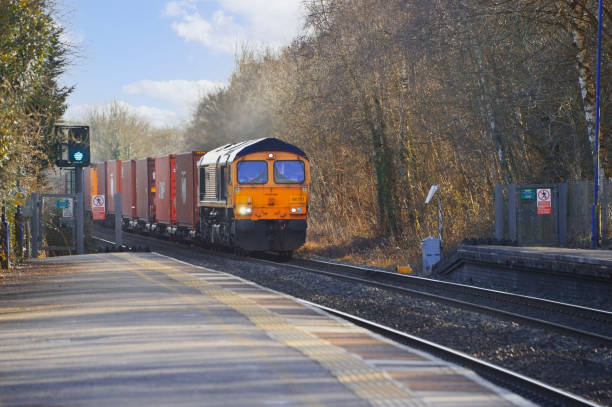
<point x="250" y="196"/>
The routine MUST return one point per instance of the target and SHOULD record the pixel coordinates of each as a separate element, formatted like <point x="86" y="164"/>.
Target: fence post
<point x="603" y="200"/>
<point x="80" y="209"/>
<point x="79" y="218"/>
<point x="6" y="239"/>
<point x="499" y="212"/>
<point x="19" y="232"/>
<point x="512" y="235"/>
<point x="562" y="213"/>
<point x="35" y="225"/>
<point x="117" y="221"/>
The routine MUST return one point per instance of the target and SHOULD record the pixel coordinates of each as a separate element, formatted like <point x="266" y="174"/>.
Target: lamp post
<point x="595" y="212"/>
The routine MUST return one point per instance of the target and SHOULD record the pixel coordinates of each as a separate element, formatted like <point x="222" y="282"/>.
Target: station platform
<point x="574" y="274"/>
<point x="136" y="329"/>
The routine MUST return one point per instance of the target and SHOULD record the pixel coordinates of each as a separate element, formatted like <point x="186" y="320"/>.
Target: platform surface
<point x="146" y="330"/>
<point x="603" y="257"/>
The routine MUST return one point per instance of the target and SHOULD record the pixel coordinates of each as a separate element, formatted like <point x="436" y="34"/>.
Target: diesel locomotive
<point x="250" y="196"/>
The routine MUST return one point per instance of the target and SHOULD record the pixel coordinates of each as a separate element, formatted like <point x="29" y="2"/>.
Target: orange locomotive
<point x="253" y="196"/>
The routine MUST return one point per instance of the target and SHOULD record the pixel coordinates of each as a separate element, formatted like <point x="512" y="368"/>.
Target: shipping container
<point x="87" y="172"/>
<point x="128" y="189"/>
<point x="145" y="189"/>
<point x="100" y="178"/>
<point x="165" y="196"/>
<point x="187" y="188"/>
<point x="113" y="183"/>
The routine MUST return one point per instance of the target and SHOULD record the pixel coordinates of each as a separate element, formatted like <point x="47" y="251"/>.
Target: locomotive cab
<point x="254" y="196"/>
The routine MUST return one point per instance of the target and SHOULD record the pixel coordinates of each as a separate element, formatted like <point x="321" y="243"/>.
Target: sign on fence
<point x="67" y="211"/>
<point x="544" y="202"/>
<point x="62" y="203"/>
<point x="97" y="207"/>
<point x="528" y="193"/>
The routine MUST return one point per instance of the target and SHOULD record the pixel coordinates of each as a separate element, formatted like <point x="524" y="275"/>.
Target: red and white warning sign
<point x="98" y="205"/>
<point x="544" y="201"/>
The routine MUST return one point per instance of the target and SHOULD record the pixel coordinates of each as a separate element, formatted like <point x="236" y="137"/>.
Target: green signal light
<point x="78" y="156"/>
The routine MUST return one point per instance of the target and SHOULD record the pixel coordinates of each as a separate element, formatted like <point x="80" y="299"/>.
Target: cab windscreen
<point x="252" y="172"/>
<point x="289" y="172"/>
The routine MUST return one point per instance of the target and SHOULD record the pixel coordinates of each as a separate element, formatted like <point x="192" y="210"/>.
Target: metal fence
<point x="568" y="222"/>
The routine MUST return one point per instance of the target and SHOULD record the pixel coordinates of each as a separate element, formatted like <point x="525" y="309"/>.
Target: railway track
<point x="578" y="321"/>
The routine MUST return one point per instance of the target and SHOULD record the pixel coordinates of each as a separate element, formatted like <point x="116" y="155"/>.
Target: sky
<point x="159" y="57"/>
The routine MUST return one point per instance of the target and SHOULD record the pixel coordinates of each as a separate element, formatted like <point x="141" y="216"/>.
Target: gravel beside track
<point x="564" y="362"/>
<point x="592" y="321"/>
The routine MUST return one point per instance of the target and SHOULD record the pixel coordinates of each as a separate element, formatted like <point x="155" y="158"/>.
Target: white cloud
<point x="263" y="22"/>
<point x="181" y="93"/>
<point x="174" y="8"/>
<point x="153" y="115"/>
<point x="220" y="33"/>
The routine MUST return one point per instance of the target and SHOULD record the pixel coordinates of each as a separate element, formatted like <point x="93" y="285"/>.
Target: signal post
<point x="72" y="150"/>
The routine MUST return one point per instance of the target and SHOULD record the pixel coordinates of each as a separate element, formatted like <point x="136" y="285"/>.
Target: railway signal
<point x="72" y="148"/>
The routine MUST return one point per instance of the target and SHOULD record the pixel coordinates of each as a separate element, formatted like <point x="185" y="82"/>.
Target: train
<point x="250" y="196"/>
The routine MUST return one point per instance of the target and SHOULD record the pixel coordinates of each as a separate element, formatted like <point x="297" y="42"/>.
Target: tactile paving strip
<point x="362" y="378"/>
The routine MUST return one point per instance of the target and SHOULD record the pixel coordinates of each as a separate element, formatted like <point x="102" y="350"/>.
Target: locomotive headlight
<point x="293" y="210"/>
<point x="297" y="210"/>
<point x="245" y="210"/>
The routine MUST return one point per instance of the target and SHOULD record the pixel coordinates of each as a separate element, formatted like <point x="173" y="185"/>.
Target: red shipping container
<point x="145" y="189"/>
<point x="113" y="183"/>
<point x="128" y="189"/>
<point x="165" y="196"/>
<point x="87" y="172"/>
<point x="187" y="188"/>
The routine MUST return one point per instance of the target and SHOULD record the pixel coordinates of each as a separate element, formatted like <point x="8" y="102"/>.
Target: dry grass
<point x="374" y="251"/>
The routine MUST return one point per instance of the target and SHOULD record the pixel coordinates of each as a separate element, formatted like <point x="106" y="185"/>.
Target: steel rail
<point x="510" y="316"/>
<point x="533" y="389"/>
<point x="594" y="314"/>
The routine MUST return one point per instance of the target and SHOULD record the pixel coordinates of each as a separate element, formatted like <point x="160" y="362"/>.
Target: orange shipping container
<point x="101" y="178"/>
<point x="87" y="188"/>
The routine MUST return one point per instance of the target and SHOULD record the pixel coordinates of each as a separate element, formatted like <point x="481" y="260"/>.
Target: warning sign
<point x="98" y="205"/>
<point x="544" y="201"/>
